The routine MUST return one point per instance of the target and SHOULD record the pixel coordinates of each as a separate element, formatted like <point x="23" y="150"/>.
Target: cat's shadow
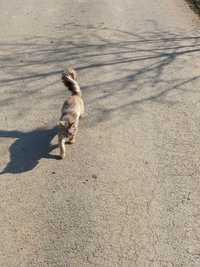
<point x="28" y="149"/>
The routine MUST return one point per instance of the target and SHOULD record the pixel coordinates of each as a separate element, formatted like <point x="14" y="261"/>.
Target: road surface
<point x="128" y="192"/>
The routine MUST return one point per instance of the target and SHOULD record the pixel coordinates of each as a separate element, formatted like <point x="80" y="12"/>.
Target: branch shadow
<point x="28" y="149"/>
<point x="143" y="67"/>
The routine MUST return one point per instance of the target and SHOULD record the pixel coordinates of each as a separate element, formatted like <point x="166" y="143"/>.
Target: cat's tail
<point x="69" y="78"/>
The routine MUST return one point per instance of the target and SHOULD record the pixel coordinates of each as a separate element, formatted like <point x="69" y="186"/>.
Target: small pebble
<point x="94" y="176"/>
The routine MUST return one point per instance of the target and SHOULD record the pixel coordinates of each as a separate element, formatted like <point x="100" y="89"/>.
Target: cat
<point x="72" y="110"/>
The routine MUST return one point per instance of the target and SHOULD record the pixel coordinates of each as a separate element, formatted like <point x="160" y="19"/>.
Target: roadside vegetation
<point x="195" y="4"/>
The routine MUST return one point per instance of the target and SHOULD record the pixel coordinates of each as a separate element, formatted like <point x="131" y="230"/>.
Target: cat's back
<point x="74" y="102"/>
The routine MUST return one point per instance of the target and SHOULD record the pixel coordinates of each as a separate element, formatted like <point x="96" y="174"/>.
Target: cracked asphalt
<point x="128" y="192"/>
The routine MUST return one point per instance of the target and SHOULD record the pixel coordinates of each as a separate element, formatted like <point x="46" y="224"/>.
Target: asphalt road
<point x="128" y="192"/>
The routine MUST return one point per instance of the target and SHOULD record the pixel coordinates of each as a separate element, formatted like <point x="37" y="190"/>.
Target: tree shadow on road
<point x="119" y="70"/>
<point x="28" y="149"/>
